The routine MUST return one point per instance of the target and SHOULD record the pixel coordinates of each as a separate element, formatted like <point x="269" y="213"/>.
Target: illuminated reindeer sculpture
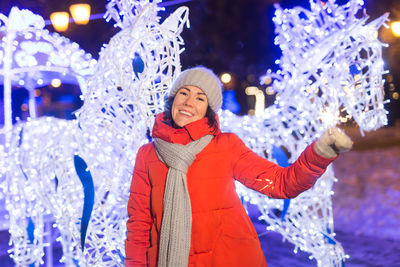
<point x="31" y="56"/>
<point x="331" y="70"/>
<point x="46" y="155"/>
<point x="331" y="65"/>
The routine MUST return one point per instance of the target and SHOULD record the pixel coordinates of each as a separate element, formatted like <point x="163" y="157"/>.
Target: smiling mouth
<point x="186" y="113"/>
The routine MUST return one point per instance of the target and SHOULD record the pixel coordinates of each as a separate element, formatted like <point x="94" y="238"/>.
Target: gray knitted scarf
<point x="176" y="224"/>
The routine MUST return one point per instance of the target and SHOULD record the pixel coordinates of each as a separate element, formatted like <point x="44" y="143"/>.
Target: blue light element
<point x="120" y="255"/>
<point x="30" y="229"/>
<point x="328" y="238"/>
<point x="283" y="161"/>
<point x="229" y="101"/>
<point x="67" y="99"/>
<point x="137" y="65"/>
<point x="88" y="189"/>
<point x="354" y="70"/>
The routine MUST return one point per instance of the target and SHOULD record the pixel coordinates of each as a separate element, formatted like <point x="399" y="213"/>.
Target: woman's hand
<point x="332" y="142"/>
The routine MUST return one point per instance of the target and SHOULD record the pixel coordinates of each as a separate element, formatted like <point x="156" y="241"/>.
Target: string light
<point x="127" y="89"/>
<point x="120" y="101"/>
<point x="33" y="52"/>
<point x="320" y="75"/>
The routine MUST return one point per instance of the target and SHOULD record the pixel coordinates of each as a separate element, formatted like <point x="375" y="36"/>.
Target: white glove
<point x="333" y="142"/>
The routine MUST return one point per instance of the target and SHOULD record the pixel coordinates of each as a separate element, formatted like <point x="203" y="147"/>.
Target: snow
<point x="367" y="195"/>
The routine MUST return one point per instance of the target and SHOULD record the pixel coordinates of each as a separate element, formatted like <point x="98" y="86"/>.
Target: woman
<point x="183" y="208"/>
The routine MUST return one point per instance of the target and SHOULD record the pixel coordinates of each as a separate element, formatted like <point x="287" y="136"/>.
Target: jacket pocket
<point x="205" y="231"/>
<point x="238" y="244"/>
<point x="235" y="223"/>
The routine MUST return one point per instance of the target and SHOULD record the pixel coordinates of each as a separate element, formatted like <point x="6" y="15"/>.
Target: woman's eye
<point x="183" y="93"/>
<point x="201" y="99"/>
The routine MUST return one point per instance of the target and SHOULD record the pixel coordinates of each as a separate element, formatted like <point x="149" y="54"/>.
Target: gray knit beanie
<point x="203" y="78"/>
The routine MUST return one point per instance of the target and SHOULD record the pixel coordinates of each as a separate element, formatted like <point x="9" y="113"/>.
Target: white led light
<point x="121" y="99"/>
<point x="127" y="89"/>
<point x="321" y="63"/>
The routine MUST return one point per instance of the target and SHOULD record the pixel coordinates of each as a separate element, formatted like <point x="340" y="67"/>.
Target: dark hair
<point x="210" y="115"/>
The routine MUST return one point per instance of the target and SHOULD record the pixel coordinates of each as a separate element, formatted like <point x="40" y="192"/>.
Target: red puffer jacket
<point x="222" y="233"/>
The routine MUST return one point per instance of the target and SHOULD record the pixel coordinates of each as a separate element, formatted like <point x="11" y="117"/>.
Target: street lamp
<point x="395" y="27"/>
<point x="226" y="78"/>
<point x="60" y="21"/>
<point x="80" y="13"/>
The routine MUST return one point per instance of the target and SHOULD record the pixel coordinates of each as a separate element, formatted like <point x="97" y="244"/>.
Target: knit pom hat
<point x="203" y="78"/>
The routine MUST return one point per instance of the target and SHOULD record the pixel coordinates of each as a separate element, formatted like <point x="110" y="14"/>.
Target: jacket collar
<point x="190" y="132"/>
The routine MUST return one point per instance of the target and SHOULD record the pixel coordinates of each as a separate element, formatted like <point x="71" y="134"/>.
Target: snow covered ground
<point x="367" y="196"/>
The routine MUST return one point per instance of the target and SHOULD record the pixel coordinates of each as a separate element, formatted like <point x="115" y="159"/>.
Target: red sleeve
<point x="139" y="222"/>
<point x="272" y="180"/>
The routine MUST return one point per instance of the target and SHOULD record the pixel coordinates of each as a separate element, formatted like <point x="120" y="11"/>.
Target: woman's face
<point x="190" y="104"/>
